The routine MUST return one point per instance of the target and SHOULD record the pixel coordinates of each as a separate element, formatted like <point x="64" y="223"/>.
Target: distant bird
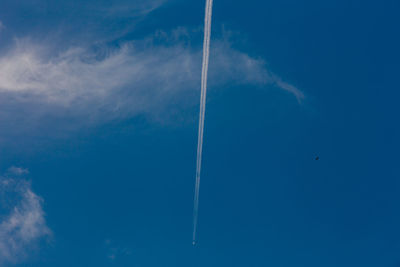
<point x="317" y="158"/>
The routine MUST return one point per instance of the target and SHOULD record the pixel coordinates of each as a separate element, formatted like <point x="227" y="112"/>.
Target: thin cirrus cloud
<point x="127" y="9"/>
<point x="84" y="86"/>
<point x="13" y="170"/>
<point x="88" y="8"/>
<point x="23" y="224"/>
<point x="81" y="21"/>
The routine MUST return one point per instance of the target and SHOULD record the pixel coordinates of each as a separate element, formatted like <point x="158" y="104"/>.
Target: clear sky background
<point x="98" y="133"/>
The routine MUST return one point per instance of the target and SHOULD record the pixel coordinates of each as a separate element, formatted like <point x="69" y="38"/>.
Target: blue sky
<point x="98" y="128"/>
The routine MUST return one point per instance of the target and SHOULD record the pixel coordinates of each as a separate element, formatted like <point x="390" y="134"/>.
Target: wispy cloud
<point x="128" y="9"/>
<point x="86" y="87"/>
<point x="23" y="223"/>
<point x="17" y="171"/>
<point x="288" y="87"/>
<point x="114" y="251"/>
<point x="66" y="22"/>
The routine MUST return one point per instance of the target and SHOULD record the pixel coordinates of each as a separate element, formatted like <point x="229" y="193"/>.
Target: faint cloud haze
<point x="23" y="222"/>
<point x="127" y="9"/>
<point x="17" y="171"/>
<point x="113" y="251"/>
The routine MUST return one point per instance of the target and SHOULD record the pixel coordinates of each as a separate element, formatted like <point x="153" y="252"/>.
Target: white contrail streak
<point x="206" y="54"/>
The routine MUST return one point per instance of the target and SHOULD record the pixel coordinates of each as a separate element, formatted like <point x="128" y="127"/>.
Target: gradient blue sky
<point x="98" y="130"/>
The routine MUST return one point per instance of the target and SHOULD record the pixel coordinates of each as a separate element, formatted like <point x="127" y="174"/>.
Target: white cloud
<point x="147" y="76"/>
<point x="17" y="170"/>
<point x="288" y="87"/>
<point x="23" y="224"/>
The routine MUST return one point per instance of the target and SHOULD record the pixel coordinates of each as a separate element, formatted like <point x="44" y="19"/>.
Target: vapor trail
<point x="206" y="55"/>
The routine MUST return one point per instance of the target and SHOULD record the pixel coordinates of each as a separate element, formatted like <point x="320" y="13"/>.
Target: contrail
<point x="206" y="55"/>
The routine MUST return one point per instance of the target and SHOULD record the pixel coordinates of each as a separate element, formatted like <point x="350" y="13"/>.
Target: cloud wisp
<point x="13" y="170"/>
<point x="115" y="251"/>
<point x="127" y="9"/>
<point x="23" y="222"/>
<point x="83" y="87"/>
